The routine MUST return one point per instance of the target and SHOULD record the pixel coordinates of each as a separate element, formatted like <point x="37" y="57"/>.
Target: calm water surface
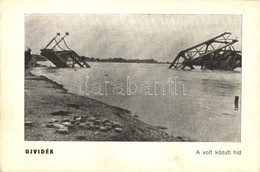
<point x="203" y="108"/>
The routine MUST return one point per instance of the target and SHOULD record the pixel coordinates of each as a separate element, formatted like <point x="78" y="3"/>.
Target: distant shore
<point x="108" y="60"/>
<point x="53" y="114"/>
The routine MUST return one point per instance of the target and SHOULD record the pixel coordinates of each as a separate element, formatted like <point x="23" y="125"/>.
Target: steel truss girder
<point x="204" y="51"/>
<point x="63" y="57"/>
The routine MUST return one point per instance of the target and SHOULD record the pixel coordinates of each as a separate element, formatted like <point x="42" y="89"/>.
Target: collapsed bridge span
<point x="216" y="53"/>
<point x="60" y="57"/>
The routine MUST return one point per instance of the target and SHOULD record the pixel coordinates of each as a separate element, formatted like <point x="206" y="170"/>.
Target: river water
<point x="196" y="104"/>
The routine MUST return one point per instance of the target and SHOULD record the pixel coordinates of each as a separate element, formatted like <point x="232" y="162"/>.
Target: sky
<point x="130" y="36"/>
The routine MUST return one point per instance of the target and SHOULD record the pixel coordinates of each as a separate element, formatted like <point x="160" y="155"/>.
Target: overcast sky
<point x="159" y="37"/>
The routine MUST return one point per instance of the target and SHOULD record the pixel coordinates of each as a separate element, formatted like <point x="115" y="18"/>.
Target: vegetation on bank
<point x="116" y="59"/>
<point x="120" y="60"/>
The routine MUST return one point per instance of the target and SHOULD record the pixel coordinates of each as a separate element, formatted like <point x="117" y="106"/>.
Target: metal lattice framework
<point x="62" y="57"/>
<point x="215" y="53"/>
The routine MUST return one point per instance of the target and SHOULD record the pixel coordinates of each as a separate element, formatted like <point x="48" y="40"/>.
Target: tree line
<point x="119" y="60"/>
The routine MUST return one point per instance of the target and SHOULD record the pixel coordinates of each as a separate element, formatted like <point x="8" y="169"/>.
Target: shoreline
<point x="53" y="114"/>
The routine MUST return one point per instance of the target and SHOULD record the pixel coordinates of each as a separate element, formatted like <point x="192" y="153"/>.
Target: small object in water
<point x="236" y="102"/>
<point x="96" y="133"/>
<point x="106" y="75"/>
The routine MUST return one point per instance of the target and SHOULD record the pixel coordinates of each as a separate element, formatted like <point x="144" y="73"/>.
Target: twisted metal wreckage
<point x="62" y="58"/>
<point x="216" y="53"/>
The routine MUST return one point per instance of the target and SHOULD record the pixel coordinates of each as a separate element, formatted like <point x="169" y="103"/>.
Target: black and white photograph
<point x="129" y="85"/>
<point x="133" y="77"/>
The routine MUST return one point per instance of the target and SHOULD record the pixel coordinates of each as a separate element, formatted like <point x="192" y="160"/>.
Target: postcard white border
<point x="124" y="156"/>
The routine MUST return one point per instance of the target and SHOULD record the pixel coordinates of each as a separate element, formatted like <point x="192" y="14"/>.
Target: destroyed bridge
<point x="60" y="56"/>
<point x="216" y="53"/>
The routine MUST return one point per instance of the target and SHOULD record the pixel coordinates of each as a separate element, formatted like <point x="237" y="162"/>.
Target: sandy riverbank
<point x="53" y="114"/>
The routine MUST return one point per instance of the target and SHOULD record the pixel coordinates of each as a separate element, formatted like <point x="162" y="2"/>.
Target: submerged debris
<point x="63" y="58"/>
<point x="216" y="53"/>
